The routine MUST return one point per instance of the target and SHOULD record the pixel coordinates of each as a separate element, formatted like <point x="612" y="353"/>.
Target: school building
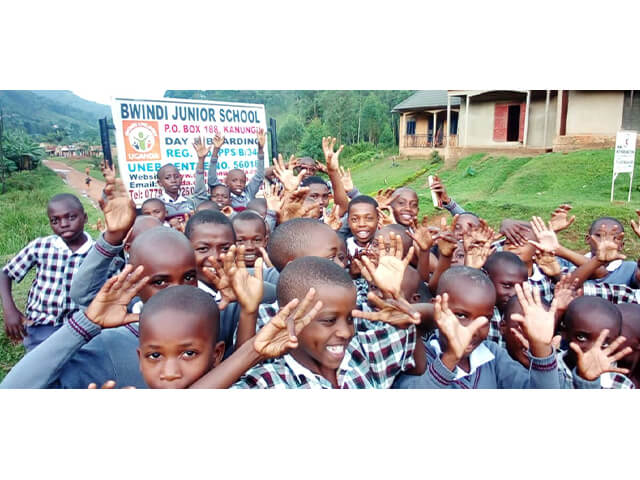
<point x="514" y="122"/>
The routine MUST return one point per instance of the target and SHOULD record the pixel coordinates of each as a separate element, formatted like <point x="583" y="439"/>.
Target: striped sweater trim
<point x="103" y="251"/>
<point x="436" y="375"/>
<point x="545" y="365"/>
<point x="79" y="329"/>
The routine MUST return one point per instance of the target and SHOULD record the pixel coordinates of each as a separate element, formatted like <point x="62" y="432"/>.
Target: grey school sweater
<point x="501" y="372"/>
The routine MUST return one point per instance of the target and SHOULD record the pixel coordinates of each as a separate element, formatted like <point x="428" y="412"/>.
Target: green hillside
<point x="497" y="187"/>
<point x="53" y="115"/>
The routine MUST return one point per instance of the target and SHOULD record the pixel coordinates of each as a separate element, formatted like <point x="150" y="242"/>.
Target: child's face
<point x="586" y="327"/>
<point x="66" y="220"/>
<point x="236" y="181"/>
<point x="525" y="252"/>
<point x="176" y="349"/>
<point x="458" y="255"/>
<point x="221" y="196"/>
<point x="464" y="224"/>
<point x="326" y="245"/>
<point x="318" y="194"/>
<point x="309" y="167"/>
<point x="170" y="180"/>
<point x="210" y="240"/>
<point x="505" y="277"/>
<point x="516" y="350"/>
<point x="405" y="207"/>
<point x="342" y="256"/>
<point x="323" y="343"/>
<point x="468" y="302"/>
<point x="251" y="234"/>
<point x="155" y="209"/>
<point x="166" y="269"/>
<point x="363" y="222"/>
<point x="608" y="224"/>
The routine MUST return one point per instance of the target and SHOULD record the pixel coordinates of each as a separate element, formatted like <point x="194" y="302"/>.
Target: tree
<point x="289" y="135"/>
<point x="19" y="148"/>
<point x="311" y="144"/>
<point x="374" y="116"/>
<point x="339" y="109"/>
<point x="6" y="165"/>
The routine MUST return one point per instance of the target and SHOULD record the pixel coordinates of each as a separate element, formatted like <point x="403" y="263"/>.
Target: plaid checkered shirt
<point x="49" y="302"/>
<point x="494" y="329"/>
<point x="377" y="353"/>
<point x="615" y="293"/>
<point x="608" y="380"/>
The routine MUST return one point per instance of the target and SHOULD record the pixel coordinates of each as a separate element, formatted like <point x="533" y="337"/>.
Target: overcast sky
<point x="103" y="96"/>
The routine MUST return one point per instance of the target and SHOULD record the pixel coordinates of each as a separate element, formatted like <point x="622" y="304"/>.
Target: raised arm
<point x="200" y="193"/>
<point x="254" y="185"/>
<point x="212" y="175"/>
<point x="333" y="170"/>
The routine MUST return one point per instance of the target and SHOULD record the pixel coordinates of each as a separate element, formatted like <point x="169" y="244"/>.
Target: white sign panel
<point x="152" y="133"/>
<point x="625" y="155"/>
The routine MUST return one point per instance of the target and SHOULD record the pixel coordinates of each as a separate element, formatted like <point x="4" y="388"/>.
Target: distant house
<point x="536" y="121"/>
<point x="95" y="150"/>
<point x="515" y="122"/>
<point x="424" y="118"/>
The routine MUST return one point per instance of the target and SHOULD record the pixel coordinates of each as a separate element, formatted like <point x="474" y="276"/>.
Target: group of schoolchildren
<point x="307" y="283"/>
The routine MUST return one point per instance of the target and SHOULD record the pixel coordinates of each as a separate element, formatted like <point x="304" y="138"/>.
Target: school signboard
<point x="152" y="133"/>
<point x="624" y="157"/>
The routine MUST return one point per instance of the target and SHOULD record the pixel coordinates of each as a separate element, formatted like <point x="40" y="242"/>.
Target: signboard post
<point x="152" y="133"/>
<point x="624" y="158"/>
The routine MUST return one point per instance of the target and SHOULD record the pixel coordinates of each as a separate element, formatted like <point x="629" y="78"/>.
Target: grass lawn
<point x="81" y="165"/>
<point x="497" y="187"/>
<point x="23" y="217"/>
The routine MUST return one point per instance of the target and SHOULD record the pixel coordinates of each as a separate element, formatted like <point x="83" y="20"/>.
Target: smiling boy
<point x="362" y="218"/>
<point x="336" y="350"/>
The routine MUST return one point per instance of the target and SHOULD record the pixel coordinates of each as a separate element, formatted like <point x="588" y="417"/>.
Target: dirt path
<point x="75" y="179"/>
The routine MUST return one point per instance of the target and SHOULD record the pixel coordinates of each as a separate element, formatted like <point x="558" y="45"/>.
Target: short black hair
<point x="220" y="185"/>
<point x="249" y="216"/>
<point x="457" y="273"/>
<point x="207" y="216"/>
<point x="161" y="238"/>
<point x="603" y="308"/>
<point x="184" y="298"/>
<point x="237" y="170"/>
<point x="470" y="213"/>
<point x="208" y="205"/>
<point x="313" y="179"/>
<point x="66" y="197"/>
<point x="362" y="199"/>
<point x="166" y="165"/>
<point x="304" y="273"/>
<point x="153" y="200"/>
<point x="606" y="219"/>
<point x="496" y="259"/>
<point x="290" y="238"/>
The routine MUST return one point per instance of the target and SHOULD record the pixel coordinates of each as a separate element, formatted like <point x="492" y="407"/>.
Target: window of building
<point x="411" y="126"/>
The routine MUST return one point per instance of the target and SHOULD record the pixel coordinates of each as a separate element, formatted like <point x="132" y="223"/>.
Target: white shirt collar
<point x="59" y="243"/>
<point x="611" y="266"/>
<point x="167" y="199"/>
<point x="300" y="371"/>
<point x="206" y="288"/>
<point x="479" y="356"/>
<point x="536" y="274"/>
